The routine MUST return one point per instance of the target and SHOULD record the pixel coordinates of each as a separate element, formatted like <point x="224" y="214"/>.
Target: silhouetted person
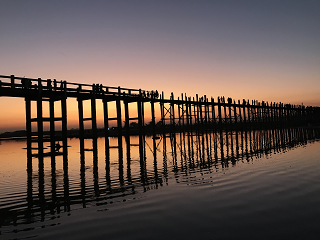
<point x="54" y="84"/>
<point x="23" y="83"/>
<point x="61" y="86"/>
<point x="49" y="84"/>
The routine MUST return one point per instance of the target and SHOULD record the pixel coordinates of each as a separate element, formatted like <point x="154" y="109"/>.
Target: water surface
<point x="225" y="185"/>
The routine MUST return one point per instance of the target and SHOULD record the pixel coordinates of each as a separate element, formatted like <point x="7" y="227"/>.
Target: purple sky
<point x="264" y="50"/>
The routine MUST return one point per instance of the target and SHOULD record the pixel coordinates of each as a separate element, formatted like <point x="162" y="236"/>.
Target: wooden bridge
<point x="180" y="114"/>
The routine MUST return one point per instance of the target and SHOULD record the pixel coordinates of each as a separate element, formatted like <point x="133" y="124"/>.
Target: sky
<point x="264" y="50"/>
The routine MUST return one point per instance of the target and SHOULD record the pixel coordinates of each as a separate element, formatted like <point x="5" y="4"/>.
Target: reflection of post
<point x="53" y="173"/>
<point x="202" y="142"/>
<point x="128" y="158"/>
<point x="164" y="153"/>
<point x="121" y="179"/>
<point x="190" y="150"/>
<point x="232" y="148"/>
<point x="215" y="146"/>
<point x="142" y="160"/>
<point x="155" y="167"/>
<point x="95" y="166"/>
<point x="82" y="173"/>
<point x="181" y="151"/>
<point x="66" y="178"/>
<point x="29" y="182"/>
<point x="107" y="161"/>
<point x="227" y="132"/>
<point x="42" y="203"/>
<point x="192" y="147"/>
<point x="221" y="146"/>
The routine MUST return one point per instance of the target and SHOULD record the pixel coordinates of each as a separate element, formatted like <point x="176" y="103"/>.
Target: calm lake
<point x="226" y="185"/>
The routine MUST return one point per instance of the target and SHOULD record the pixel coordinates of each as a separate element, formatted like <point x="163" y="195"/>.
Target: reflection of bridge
<point x="186" y="152"/>
<point x="185" y="112"/>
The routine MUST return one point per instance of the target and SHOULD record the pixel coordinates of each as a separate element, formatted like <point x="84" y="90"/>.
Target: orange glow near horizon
<point x="13" y="111"/>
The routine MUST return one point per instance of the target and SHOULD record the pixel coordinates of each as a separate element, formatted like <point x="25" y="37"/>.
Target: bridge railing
<point x="54" y="85"/>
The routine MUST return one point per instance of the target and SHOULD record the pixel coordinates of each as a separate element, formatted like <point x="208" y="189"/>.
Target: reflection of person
<point x="58" y="146"/>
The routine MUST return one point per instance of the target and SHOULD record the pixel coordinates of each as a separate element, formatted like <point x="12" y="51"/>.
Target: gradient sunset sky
<point x="265" y="50"/>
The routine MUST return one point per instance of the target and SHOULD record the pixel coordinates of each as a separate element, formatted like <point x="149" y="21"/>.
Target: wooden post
<point x="249" y="114"/>
<point x="106" y="123"/>
<point x="139" y="108"/>
<point x="153" y="122"/>
<point x="206" y="117"/>
<point x="190" y="115"/>
<point x="240" y="114"/>
<point x="126" y="120"/>
<point x="80" y="112"/>
<point x="187" y="115"/>
<point x="235" y="115"/>
<point x="12" y="81"/>
<point x="173" y="126"/>
<point x="200" y="105"/>
<point x="119" y="122"/>
<point x="225" y="112"/>
<point x="28" y="126"/>
<point x="64" y="121"/>
<point x="197" y="115"/>
<point x="127" y="138"/>
<point x="230" y="113"/>
<point x="213" y="114"/>
<point x="172" y="115"/>
<point x="219" y="112"/>
<point x="52" y="137"/>
<point x="94" y="115"/>
<point x="153" y="119"/>
<point x="40" y="125"/>
<point x="179" y="115"/>
<point x="183" y="103"/>
<point x="245" y="112"/>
